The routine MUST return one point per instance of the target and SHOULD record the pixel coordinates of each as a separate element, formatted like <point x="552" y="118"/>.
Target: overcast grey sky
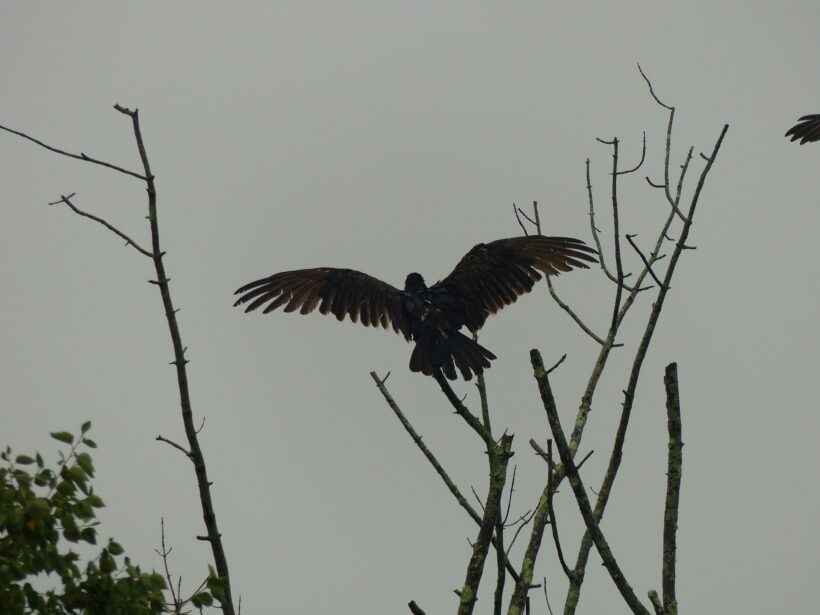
<point x="391" y="137"/>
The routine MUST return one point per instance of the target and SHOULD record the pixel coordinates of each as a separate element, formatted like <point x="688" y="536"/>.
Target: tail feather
<point x="446" y="350"/>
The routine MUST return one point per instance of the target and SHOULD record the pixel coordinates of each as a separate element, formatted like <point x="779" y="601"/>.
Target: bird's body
<point x="807" y="129"/>
<point x="489" y="277"/>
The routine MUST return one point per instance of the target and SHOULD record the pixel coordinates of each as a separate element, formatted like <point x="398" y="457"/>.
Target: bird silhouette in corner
<point x="489" y="277"/>
<point x="807" y="129"/>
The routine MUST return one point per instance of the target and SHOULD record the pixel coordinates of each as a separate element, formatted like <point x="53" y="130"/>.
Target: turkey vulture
<point x="807" y="129"/>
<point x="490" y="276"/>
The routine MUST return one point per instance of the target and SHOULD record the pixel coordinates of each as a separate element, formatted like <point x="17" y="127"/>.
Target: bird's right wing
<point x="807" y="129"/>
<point x="336" y="291"/>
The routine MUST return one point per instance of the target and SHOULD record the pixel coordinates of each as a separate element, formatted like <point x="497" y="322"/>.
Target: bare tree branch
<point x="578" y="488"/>
<point x="646" y="263"/>
<point x="518" y="213"/>
<point x="524" y="584"/>
<point x="629" y="393"/>
<point x="180" y="362"/>
<point x="499" y="457"/>
<point x="640" y="163"/>
<point x="656" y="602"/>
<point x="175" y="445"/>
<point x="674" y="469"/>
<point x="79" y="156"/>
<point x="77" y="210"/>
<point x="462" y="410"/>
<point x="619" y="269"/>
<point x="428" y="454"/>
<point x="414" y="608"/>
<point x="572" y="314"/>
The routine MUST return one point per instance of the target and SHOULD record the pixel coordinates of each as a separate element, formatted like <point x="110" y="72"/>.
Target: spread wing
<point x="339" y="292"/>
<point x="495" y="274"/>
<point x="807" y="129"/>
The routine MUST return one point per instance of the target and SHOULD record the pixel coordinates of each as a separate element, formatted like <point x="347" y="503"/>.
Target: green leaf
<point x="96" y="502"/>
<point x="85" y="427"/>
<point x="40" y="463"/>
<point x="39" y="507"/>
<point x="89" y="535"/>
<point x="63" y="436"/>
<point x="23" y="460"/>
<point x="44" y="477"/>
<point x="114" y="548"/>
<point x="84" y="461"/>
<point x="89" y="443"/>
<point x="216" y="585"/>
<point x="202" y="599"/>
<point x="66" y="488"/>
<point x="83" y="511"/>
<point x="75" y="473"/>
<point x="107" y="563"/>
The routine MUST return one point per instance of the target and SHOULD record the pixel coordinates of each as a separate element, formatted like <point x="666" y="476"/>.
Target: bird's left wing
<point x="495" y="274"/>
<point x="341" y="292"/>
<point x="807" y="129"/>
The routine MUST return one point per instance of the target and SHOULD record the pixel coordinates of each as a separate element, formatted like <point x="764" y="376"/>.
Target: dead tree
<point x="650" y="278"/>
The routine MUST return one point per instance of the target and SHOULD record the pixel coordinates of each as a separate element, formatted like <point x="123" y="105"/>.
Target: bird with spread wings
<point x="489" y="277"/>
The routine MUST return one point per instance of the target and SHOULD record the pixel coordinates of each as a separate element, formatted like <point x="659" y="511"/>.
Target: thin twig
<point x="530" y="220"/>
<point x="481" y="385"/>
<point x="462" y="410"/>
<point x="477" y="499"/>
<point x="546" y="597"/>
<point x="128" y="241"/>
<point x="522" y="522"/>
<point x="164" y="555"/>
<point x="619" y="269"/>
<point x="537" y="217"/>
<point x="79" y="156"/>
<point x="553" y="520"/>
<point x="428" y="454"/>
<point x="176" y="446"/>
<point x="643" y="258"/>
<point x="581" y="463"/>
<point x="516" y="211"/>
<point x="557" y="363"/>
<point x="652" y="90"/>
<point x="643" y="157"/>
<point x="572" y="313"/>
<point x="510" y="492"/>
<point x="500" y="558"/>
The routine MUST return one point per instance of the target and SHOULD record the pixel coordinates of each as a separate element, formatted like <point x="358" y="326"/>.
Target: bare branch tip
<point x="554" y="367"/>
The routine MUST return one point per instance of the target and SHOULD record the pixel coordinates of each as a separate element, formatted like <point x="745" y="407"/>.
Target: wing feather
<point x="807" y="129"/>
<point x="493" y="275"/>
<point x="341" y="292"/>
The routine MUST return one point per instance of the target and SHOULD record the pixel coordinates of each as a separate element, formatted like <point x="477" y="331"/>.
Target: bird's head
<point x="414" y="283"/>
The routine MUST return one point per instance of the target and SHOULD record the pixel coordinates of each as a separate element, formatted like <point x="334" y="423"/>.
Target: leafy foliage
<point x="44" y="510"/>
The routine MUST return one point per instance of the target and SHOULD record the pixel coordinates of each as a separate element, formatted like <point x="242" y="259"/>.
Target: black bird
<point x="807" y="129"/>
<point x="490" y="276"/>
